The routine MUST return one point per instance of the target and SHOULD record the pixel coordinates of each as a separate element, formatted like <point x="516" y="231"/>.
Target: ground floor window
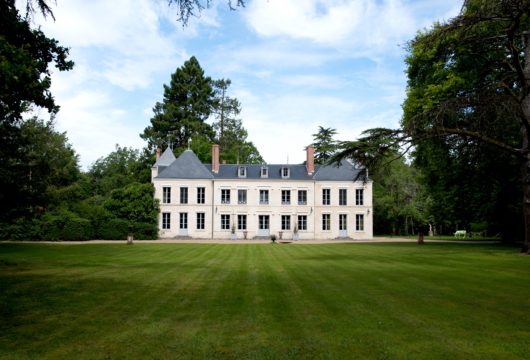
<point x="286" y="222"/>
<point x="166" y="221"/>
<point x="302" y="222"/>
<point x="263" y="222"/>
<point x="183" y="220"/>
<point x="225" y="222"/>
<point x="241" y="222"/>
<point x="326" y="221"/>
<point x="343" y="222"/>
<point x="200" y="221"/>
<point x="359" y="222"/>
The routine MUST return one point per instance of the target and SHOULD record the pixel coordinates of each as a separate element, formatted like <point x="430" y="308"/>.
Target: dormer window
<point x="242" y="172"/>
<point x="285" y="172"/>
<point x="264" y="172"/>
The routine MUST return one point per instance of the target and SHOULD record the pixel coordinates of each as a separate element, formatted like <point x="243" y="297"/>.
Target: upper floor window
<point x="286" y="197"/>
<point x="264" y="172"/>
<point x="302" y="197"/>
<point x="166" y="195"/>
<point x="343" y="197"/>
<point x="326" y="196"/>
<point x="285" y="172"/>
<point x="225" y="196"/>
<point x="359" y="197"/>
<point x="264" y="197"/>
<point x="242" y="172"/>
<point x="201" y="195"/>
<point x="242" y="196"/>
<point x="183" y="195"/>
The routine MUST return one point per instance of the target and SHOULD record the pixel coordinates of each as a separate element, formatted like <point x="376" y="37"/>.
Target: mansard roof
<point x="188" y="166"/>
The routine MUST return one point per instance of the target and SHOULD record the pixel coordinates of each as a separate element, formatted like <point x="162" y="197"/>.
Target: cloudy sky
<point x="294" y="65"/>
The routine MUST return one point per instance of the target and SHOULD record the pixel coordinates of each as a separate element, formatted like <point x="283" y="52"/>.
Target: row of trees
<point x="43" y="192"/>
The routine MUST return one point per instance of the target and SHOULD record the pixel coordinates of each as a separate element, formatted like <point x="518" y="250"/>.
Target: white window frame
<point x="286" y="197"/>
<point x="302" y="202"/>
<point x="343" y="222"/>
<point x="286" y="222"/>
<point x="201" y="195"/>
<point x="201" y="220"/>
<point x="166" y="195"/>
<point x="302" y="222"/>
<point x="183" y="195"/>
<point x="359" y="197"/>
<point x="326" y="222"/>
<point x="264" y="172"/>
<point x="264" y="197"/>
<point x="225" y="221"/>
<point x="242" y="172"/>
<point x="359" y="222"/>
<point x="326" y="196"/>
<point x="343" y="197"/>
<point x="225" y="196"/>
<point x="239" y="193"/>
<point x="166" y="221"/>
<point x="285" y="172"/>
<point x="183" y="220"/>
<point x="242" y="222"/>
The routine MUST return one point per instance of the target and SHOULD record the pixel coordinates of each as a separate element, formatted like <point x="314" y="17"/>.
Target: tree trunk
<point x="525" y="104"/>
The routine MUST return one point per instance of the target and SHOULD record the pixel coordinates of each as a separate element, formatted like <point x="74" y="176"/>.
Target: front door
<point x="264" y="225"/>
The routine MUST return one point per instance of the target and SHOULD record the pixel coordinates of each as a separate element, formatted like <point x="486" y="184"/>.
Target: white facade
<point x="249" y="207"/>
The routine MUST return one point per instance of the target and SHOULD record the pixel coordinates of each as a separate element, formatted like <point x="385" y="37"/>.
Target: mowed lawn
<point x="266" y="301"/>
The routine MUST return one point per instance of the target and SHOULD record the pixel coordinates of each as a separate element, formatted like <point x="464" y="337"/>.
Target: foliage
<point x="190" y="8"/>
<point x="64" y="225"/>
<point x="134" y="202"/>
<point x="324" y="144"/>
<point x="400" y="202"/>
<point x="187" y="103"/>
<point x="25" y="57"/>
<point x="467" y="95"/>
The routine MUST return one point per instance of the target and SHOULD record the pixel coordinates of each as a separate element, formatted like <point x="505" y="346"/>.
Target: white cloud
<point x="360" y="25"/>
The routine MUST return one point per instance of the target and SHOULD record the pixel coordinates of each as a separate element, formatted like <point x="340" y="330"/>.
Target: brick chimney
<point x="158" y="151"/>
<point x="310" y="162"/>
<point x="215" y="158"/>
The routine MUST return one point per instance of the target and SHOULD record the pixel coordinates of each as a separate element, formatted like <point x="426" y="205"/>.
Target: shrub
<point x="145" y="231"/>
<point x="114" y="229"/>
<point x="65" y="225"/>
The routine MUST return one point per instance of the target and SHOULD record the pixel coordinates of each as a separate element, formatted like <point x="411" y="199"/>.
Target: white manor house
<point x="238" y="201"/>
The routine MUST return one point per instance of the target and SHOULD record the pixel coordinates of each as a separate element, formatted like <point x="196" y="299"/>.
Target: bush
<point x="65" y="225"/>
<point x="22" y="229"/>
<point x="145" y="231"/>
<point x="114" y="229"/>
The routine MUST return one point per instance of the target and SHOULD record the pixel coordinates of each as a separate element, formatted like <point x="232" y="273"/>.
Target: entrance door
<point x="264" y="225"/>
<point x="343" y="225"/>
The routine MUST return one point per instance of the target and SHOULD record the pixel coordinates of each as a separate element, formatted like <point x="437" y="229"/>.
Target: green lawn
<point x="337" y="301"/>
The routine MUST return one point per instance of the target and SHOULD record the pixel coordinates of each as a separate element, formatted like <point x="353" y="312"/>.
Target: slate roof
<point x="166" y="158"/>
<point x="188" y="166"/>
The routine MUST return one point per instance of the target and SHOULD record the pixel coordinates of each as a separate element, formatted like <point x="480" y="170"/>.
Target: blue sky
<point x="294" y="65"/>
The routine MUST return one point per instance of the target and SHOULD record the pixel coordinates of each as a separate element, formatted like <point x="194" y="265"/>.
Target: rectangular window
<point x="264" y="172"/>
<point x="285" y="172"/>
<point x="200" y="221"/>
<point x="343" y="197"/>
<point x="359" y="222"/>
<point x="242" y="172"/>
<point x="286" y="197"/>
<point x="166" y="221"/>
<point x="359" y="197"/>
<point x="183" y="195"/>
<point x="302" y="222"/>
<point x="225" y="222"/>
<point x="201" y="195"/>
<point x="302" y="197"/>
<point x="263" y="222"/>
<point x="326" y="221"/>
<point x="241" y="196"/>
<point x="286" y="222"/>
<point x="225" y="196"/>
<point x="241" y="222"/>
<point x="166" y="195"/>
<point x="343" y="222"/>
<point x="326" y="196"/>
<point x="183" y="220"/>
<point x="264" y="197"/>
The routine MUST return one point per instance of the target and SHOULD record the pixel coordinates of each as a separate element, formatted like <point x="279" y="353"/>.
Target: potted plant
<point x="295" y="233"/>
<point x="233" y="235"/>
